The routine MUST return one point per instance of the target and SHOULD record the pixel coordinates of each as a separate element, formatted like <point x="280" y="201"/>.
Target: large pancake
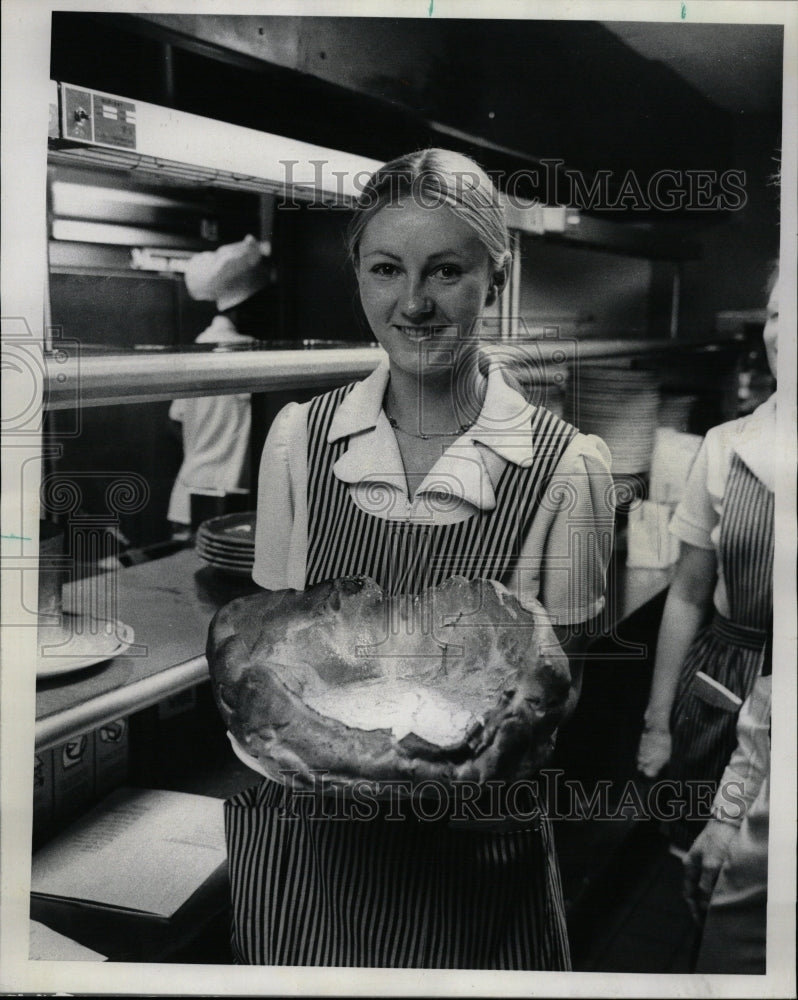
<point x="460" y="683"/>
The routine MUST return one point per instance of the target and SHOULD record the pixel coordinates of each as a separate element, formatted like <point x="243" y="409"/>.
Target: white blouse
<point x="565" y="554"/>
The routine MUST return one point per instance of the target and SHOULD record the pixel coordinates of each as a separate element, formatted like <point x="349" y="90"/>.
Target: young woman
<point x="432" y="466"/>
<point x="726" y="868"/>
<point x="704" y="672"/>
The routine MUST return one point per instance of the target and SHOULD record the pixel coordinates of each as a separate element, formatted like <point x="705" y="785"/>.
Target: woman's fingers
<point x="703" y="864"/>
<point x="654" y="752"/>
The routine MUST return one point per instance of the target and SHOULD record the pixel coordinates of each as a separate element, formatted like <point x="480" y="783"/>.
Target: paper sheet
<point x="140" y="849"/>
<point x="48" y="945"/>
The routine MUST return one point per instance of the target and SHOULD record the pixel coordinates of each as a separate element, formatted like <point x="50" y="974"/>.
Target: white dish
<point x="81" y="641"/>
<point x="230" y="529"/>
<point x="236" y="555"/>
<point x="222" y="550"/>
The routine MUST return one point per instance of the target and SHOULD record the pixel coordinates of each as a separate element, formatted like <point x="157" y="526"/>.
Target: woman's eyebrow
<point x="381" y="253"/>
<point x="432" y="256"/>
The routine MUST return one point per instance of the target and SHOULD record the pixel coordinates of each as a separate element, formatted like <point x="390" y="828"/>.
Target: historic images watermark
<point x="549" y="183"/>
<point x="317" y="795"/>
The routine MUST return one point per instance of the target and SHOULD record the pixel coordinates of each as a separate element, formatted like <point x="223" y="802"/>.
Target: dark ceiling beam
<point x="522" y="92"/>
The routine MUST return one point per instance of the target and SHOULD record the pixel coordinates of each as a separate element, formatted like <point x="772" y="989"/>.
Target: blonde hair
<point x="436" y="177"/>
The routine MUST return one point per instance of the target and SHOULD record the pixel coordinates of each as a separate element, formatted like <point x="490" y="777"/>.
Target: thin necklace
<point x="425" y="437"/>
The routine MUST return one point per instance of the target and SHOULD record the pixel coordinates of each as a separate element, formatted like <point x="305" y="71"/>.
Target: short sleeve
<point x="566" y="554"/>
<point x="696" y="515"/>
<point x="276" y="504"/>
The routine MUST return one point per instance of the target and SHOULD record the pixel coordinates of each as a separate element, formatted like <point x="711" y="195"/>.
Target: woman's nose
<point x="417" y="304"/>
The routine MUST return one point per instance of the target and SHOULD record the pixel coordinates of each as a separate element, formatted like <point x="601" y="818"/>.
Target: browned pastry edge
<point x="296" y="744"/>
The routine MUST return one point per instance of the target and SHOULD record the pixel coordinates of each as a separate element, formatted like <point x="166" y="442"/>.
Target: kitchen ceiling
<point x="600" y="99"/>
<point x="736" y="66"/>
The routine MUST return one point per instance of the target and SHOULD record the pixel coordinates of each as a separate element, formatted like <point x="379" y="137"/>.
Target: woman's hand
<point x="688" y="603"/>
<point x="654" y="751"/>
<point x="703" y="864"/>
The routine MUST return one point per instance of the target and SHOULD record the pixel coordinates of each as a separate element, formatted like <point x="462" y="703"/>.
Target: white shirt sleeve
<point x="281" y="523"/>
<point x="697" y="514"/>
<point x="565" y="556"/>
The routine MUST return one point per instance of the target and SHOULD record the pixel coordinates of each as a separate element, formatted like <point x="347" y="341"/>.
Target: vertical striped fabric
<point x="731" y="651"/>
<point x="403" y="893"/>
<point x="320" y="891"/>
<point x="746" y="547"/>
<point x="405" y="558"/>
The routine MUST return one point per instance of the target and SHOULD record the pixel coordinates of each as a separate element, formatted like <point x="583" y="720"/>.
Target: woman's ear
<point x="497" y="283"/>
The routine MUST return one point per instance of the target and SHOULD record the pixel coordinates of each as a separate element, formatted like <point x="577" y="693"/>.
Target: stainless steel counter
<point x="168" y="603"/>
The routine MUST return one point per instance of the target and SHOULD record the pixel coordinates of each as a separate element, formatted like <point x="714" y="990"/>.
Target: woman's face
<point x="770" y="334"/>
<point x="425" y="278"/>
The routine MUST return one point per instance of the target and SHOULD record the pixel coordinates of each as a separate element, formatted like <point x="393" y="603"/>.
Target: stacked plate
<point x="228" y="543"/>
<point x="621" y="406"/>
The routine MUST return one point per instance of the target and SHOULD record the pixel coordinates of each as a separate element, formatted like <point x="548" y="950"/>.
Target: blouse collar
<point x="504" y="422"/>
<point x="755" y="442"/>
<point x="469" y="468"/>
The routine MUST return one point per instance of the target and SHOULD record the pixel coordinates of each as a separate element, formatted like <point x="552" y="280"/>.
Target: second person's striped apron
<point x="730" y="651"/>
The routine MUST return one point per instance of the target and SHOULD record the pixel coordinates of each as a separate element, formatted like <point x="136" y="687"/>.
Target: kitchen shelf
<point x="113" y="379"/>
<point x="73" y="380"/>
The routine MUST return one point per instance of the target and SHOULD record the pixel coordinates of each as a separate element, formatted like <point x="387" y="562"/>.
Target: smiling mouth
<point x="419" y="332"/>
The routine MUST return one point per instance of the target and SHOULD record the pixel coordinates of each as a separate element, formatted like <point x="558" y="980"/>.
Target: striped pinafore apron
<point x="730" y="651"/>
<point x="398" y="890"/>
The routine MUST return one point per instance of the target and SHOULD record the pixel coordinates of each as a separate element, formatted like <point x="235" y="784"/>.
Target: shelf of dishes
<point x="77" y="378"/>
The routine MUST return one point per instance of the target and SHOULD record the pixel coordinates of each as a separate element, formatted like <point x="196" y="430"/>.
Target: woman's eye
<point x="384" y="270"/>
<point x="448" y="271"/>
